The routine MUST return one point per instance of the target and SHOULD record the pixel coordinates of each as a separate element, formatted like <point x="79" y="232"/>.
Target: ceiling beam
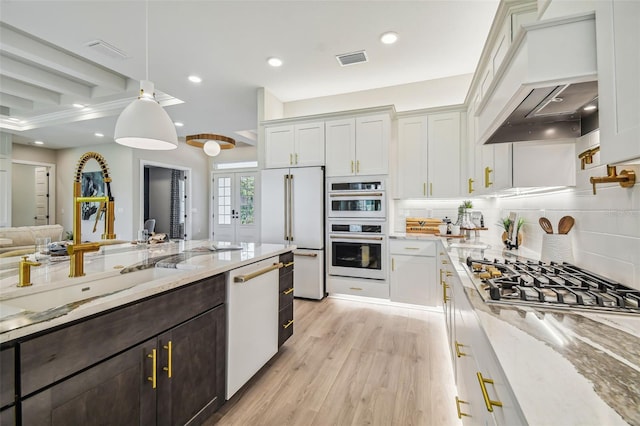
<point x="31" y="49"/>
<point x="42" y="78"/>
<point x="27" y="91"/>
<point x="15" y="102"/>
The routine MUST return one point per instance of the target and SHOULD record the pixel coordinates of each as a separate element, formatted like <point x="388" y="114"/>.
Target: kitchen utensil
<point x="545" y="224"/>
<point x="565" y="224"/>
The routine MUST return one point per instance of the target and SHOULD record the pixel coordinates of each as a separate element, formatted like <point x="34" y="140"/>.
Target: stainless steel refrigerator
<point x="293" y="213"/>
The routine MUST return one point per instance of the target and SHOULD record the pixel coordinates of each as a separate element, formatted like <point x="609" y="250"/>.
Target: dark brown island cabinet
<point x="285" y="306"/>
<point x="156" y="361"/>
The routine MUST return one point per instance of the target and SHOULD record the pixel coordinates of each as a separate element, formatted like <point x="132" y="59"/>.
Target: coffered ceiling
<point x="67" y="68"/>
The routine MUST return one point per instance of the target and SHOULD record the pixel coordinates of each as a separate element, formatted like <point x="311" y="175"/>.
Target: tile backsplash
<point x="605" y="238"/>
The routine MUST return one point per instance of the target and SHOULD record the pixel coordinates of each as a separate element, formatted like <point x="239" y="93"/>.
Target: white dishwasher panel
<point x="252" y="310"/>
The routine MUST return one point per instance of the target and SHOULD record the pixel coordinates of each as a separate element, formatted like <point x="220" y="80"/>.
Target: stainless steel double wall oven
<point x="356" y="226"/>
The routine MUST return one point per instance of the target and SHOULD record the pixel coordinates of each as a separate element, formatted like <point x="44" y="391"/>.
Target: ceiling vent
<point x="352" y="58"/>
<point x="107" y="49"/>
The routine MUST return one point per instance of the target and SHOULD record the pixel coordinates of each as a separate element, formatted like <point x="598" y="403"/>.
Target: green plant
<point x="505" y="222"/>
<point x="68" y="235"/>
<point x="466" y="204"/>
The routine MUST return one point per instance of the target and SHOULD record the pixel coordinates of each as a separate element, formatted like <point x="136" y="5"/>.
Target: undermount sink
<point x="62" y="295"/>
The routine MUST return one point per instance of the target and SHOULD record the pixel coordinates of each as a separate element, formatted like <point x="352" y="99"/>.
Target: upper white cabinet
<point x="429" y="156"/>
<point x="358" y="146"/>
<point x="618" y="33"/>
<point x="294" y="145"/>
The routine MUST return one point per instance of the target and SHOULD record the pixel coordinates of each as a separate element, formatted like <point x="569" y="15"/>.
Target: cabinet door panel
<point x="116" y="392"/>
<point x="7" y="377"/>
<point x="340" y="137"/>
<point x="197" y="368"/>
<point x="372" y="145"/>
<point x="285" y="324"/>
<point x="412" y="157"/>
<point x="309" y="143"/>
<point x="278" y="146"/>
<point x="413" y="280"/>
<point x="444" y="155"/>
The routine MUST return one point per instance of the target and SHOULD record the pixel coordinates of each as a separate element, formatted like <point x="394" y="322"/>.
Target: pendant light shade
<point x="144" y="124"/>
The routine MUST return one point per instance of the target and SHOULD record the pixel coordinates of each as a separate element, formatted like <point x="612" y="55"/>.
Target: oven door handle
<point x="354" y="237"/>
<point x="356" y="194"/>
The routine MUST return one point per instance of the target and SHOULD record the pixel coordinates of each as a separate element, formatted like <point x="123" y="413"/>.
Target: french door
<point x="234" y="213"/>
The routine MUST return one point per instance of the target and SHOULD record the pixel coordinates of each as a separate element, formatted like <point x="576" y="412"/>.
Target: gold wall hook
<point x="626" y="178"/>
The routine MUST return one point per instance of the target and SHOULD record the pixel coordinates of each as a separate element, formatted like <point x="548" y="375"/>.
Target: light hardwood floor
<point x="352" y="363"/>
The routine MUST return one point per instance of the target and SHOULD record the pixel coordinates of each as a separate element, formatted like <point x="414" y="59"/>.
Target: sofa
<point x="24" y="238"/>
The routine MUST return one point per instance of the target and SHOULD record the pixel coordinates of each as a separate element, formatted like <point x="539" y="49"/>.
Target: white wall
<point x="406" y="97"/>
<point x="23" y="200"/>
<point x="160" y="198"/>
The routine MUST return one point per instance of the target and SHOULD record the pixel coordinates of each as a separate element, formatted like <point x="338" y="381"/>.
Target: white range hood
<point x="546" y="59"/>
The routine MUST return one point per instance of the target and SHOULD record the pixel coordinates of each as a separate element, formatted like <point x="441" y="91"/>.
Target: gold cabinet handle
<point x="393" y="264"/>
<point x="487" y="182"/>
<point x="445" y="262"/>
<point x="168" y="368"/>
<point x="351" y="166"/>
<point x="358" y="166"/>
<point x="445" y="286"/>
<point x="487" y="401"/>
<point x="354" y="237"/>
<point x="288" y="291"/>
<point x="424" y="188"/>
<point x="460" y="413"/>
<point x="470" y="182"/>
<point x="431" y="189"/>
<point x="290" y="159"/>
<point x="355" y="288"/>
<point x="247" y="277"/>
<point x="357" y="194"/>
<point x="296" y="158"/>
<point x="412" y="248"/>
<point x="153" y="377"/>
<point x="287" y="325"/>
<point x="459" y="353"/>
<point x="286" y="265"/>
<point x="306" y="254"/>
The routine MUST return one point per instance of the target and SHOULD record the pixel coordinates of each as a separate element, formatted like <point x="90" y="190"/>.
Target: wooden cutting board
<point x="422" y="225"/>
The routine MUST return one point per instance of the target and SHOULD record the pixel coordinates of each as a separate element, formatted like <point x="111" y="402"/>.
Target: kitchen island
<point x="556" y="365"/>
<point x="154" y="338"/>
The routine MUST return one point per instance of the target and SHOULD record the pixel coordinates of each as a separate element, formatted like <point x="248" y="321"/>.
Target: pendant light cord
<point x="146" y="37"/>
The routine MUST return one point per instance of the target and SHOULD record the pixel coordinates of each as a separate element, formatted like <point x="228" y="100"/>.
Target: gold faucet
<point x="626" y="178"/>
<point x="25" y="271"/>
<point x="77" y="250"/>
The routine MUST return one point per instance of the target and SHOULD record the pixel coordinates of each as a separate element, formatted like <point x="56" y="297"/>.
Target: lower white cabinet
<point x="413" y="272"/>
<point x="484" y="394"/>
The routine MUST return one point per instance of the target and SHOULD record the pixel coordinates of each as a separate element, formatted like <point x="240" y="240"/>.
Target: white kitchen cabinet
<point x="494" y="165"/>
<point x="429" y="156"/>
<point x="358" y="146"/>
<point x="296" y="145"/>
<point x="413" y="272"/>
<point x="617" y="38"/>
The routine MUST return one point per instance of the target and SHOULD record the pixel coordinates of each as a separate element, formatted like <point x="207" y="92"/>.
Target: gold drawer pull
<point x="152" y="379"/>
<point x="445" y="262"/>
<point x="460" y="413"/>
<point x="412" y="248"/>
<point x="459" y="353"/>
<point x="445" y="286"/>
<point x="286" y="265"/>
<point x="487" y="401"/>
<point x="247" y="277"/>
<point x="306" y="254"/>
<point x="288" y="291"/>
<point x="287" y="325"/>
<point x="487" y="182"/>
<point x="169" y="349"/>
<point x="355" y="288"/>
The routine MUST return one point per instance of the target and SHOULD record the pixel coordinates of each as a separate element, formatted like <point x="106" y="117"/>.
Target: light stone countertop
<point x="565" y="366"/>
<point x="190" y="265"/>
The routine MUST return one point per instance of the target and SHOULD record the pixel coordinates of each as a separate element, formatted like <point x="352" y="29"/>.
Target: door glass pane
<point x="224" y="201"/>
<point x="247" y="193"/>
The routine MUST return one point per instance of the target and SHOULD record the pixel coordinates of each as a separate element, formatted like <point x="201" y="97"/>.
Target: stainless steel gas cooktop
<point x="551" y="284"/>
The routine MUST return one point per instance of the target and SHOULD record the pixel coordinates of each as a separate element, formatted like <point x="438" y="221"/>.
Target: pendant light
<point x="211" y="143"/>
<point x="144" y="124"/>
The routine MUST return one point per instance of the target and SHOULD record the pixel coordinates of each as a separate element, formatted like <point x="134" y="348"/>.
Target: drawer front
<point x="285" y="325"/>
<point x="287" y="260"/>
<point x="355" y="287"/>
<point x="412" y="247"/>
<point x="7" y="376"/>
<point x="55" y="355"/>
<point x="286" y="290"/>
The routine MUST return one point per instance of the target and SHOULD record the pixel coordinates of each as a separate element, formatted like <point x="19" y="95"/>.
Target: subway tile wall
<point x="605" y="238"/>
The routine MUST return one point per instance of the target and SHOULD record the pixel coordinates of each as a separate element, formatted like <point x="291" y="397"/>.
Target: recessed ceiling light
<point x="98" y="135"/>
<point x="178" y="124"/>
<point x="274" y="62"/>
<point x="389" y="37"/>
<point x="195" y="79"/>
<point x="78" y="106"/>
<point x="589" y="108"/>
<point x="38" y="142"/>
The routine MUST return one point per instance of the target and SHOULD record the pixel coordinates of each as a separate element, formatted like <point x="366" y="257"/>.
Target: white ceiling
<point x="45" y="64"/>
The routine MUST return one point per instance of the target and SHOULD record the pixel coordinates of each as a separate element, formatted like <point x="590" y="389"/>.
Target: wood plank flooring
<point x="352" y="363"/>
